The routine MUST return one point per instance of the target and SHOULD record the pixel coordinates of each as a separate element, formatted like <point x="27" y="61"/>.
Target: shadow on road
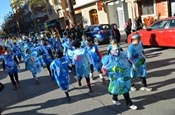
<point x="160" y="63"/>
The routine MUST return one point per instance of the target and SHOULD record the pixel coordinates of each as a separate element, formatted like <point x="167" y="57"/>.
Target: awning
<point x="109" y="1"/>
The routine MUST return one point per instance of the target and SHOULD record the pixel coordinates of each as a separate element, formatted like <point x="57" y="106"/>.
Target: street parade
<point x="87" y="57"/>
<point x="60" y="56"/>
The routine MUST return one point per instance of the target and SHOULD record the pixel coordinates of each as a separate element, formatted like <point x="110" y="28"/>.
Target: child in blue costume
<point x="46" y="54"/>
<point x="59" y="68"/>
<point x="22" y="43"/>
<point x="95" y="57"/>
<point x="57" y="43"/>
<point x="68" y="50"/>
<point x="33" y="63"/>
<point x="50" y="39"/>
<point x="82" y="62"/>
<point x="37" y="47"/>
<point x="117" y="68"/>
<point x="112" y="44"/>
<point x="84" y="42"/>
<point x="11" y="65"/>
<point x="137" y="58"/>
<point x="17" y="51"/>
<point x="27" y="44"/>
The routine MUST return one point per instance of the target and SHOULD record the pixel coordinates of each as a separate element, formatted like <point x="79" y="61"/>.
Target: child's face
<point x="112" y="42"/>
<point x="7" y="51"/>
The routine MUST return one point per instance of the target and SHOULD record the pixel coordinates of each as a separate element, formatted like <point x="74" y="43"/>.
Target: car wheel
<point x="96" y="41"/>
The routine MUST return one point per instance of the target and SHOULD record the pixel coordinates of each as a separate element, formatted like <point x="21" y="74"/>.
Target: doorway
<point x="120" y="15"/>
<point x="172" y="7"/>
<point x="93" y="17"/>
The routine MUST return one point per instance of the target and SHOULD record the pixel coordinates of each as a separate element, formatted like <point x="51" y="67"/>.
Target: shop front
<point x="91" y="14"/>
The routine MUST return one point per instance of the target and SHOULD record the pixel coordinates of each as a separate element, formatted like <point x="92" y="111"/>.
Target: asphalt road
<point x="47" y="99"/>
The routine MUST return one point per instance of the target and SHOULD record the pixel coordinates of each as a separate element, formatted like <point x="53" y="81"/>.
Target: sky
<point x="4" y="9"/>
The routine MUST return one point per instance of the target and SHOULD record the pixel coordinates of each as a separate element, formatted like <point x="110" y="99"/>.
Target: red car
<point x="160" y="33"/>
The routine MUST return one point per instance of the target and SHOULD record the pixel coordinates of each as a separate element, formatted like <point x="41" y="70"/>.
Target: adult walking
<point x="138" y="23"/>
<point x="128" y="27"/>
<point x="116" y="33"/>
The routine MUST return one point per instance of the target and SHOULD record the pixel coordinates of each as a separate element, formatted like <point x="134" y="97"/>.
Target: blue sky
<point x="4" y="9"/>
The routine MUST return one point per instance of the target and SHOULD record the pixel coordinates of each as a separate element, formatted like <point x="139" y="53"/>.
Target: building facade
<point x="117" y="12"/>
<point x="90" y="12"/>
<point x="56" y="10"/>
<point x="156" y="9"/>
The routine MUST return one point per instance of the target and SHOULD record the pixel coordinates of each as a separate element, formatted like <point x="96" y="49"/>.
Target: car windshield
<point x="159" y="25"/>
<point x="90" y="28"/>
<point x="105" y="27"/>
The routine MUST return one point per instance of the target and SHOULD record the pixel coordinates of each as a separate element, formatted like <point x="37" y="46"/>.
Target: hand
<point x="104" y="71"/>
<point x="135" y="69"/>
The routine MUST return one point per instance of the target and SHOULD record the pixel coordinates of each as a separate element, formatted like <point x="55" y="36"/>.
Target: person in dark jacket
<point x="10" y="65"/>
<point x="79" y="31"/>
<point x="138" y="23"/>
<point x="67" y="31"/>
<point x="116" y="33"/>
<point x="128" y="27"/>
<point x="73" y="32"/>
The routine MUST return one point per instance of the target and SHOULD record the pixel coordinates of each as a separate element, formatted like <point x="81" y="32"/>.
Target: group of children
<point x="82" y="58"/>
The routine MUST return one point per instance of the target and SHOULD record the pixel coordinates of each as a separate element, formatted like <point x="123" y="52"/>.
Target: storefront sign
<point x="99" y="6"/>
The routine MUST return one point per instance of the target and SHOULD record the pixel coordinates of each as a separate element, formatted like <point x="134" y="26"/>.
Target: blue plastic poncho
<point x="118" y="72"/>
<point x="137" y="58"/>
<point x="60" y="72"/>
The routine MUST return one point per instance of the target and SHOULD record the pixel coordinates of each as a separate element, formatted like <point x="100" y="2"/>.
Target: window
<point x="172" y="24"/>
<point x="159" y="25"/>
<point x="105" y="27"/>
<point x="147" y="7"/>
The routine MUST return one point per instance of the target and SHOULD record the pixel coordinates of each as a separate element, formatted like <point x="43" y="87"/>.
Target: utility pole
<point x="71" y="11"/>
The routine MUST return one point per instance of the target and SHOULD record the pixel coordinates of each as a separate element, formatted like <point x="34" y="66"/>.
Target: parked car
<point x="160" y="33"/>
<point x="99" y="33"/>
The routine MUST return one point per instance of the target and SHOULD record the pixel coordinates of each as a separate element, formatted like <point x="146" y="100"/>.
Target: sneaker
<point x="101" y="76"/>
<point x="117" y="103"/>
<point x="37" y="82"/>
<point x="133" y="107"/>
<point x="18" y="83"/>
<point x="133" y="89"/>
<point x="15" y="87"/>
<point x="90" y="90"/>
<point x="70" y="71"/>
<point x="146" y="89"/>
<point x="68" y="98"/>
